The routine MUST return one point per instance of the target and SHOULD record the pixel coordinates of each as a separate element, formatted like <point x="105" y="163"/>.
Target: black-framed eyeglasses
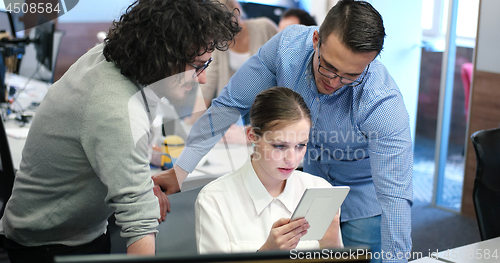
<point x="200" y="69"/>
<point x="331" y="75"/>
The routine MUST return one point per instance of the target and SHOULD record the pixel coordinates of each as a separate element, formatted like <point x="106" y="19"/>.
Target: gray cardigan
<point x="83" y="161"/>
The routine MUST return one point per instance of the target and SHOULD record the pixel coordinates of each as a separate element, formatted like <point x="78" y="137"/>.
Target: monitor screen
<point x="355" y="254"/>
<point x="6" y="23"/>
<point x="44" y="38"/>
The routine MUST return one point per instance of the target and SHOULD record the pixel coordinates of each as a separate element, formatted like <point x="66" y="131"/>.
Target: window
<point x="435" y="21"/>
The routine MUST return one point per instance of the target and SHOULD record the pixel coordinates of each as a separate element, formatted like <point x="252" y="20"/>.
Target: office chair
<point x="177" y="233"/>
<point x="486" y="192"/>
<point x="7" y="172"/>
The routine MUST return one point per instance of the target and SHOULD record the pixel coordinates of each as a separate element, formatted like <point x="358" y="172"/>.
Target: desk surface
<point x="426" y="260"/>
<point x="33" y="90"/>
<point x="480" y="252"/>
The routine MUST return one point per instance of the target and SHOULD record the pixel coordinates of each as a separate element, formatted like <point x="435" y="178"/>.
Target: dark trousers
<point x="21" y="254"/>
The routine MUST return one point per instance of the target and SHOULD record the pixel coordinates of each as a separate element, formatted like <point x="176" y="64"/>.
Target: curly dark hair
<point x="155" y="39"/>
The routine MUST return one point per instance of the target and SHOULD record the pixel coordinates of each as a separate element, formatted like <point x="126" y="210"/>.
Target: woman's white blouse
<point x="235" y="213"/>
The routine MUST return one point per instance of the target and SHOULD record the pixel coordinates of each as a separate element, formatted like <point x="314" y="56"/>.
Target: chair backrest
<point x="7" y="171"/>
<point x="29" y="63"/>
<point x="486" y="192"/>
<point x="177" y="233"/>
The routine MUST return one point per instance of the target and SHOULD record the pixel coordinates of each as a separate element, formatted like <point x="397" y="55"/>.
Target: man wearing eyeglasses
<point x="86" y="155"/>
<point x="360" y="135"/>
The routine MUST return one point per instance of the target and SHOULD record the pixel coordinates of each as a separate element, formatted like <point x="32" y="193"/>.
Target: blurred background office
<point x="428" y="43"/>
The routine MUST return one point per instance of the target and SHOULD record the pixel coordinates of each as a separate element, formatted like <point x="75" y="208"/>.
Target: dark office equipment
<point x="7" y="171"/>
<point x="342" y="254"/>
<point x="486" y="192"/>
<point x="253" y="10"/>
<point x="3" y="88"/>
<point x="7" y="26"/>
<point x="7" y="23"/>
<point x="44" y="39"/>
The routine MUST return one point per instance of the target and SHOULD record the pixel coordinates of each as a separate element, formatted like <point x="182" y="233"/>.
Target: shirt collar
<point x="258" y="193"/>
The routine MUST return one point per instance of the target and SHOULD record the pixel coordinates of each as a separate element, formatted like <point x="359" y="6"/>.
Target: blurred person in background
<point x="294" y="16"/>
<point x="255" y="33"/>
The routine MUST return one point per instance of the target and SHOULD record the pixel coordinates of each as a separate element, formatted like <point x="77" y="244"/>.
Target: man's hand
<point x="331" y="239"/>
<point x="167" y="180"/>
<point x="285" y="235"/>
<point x="164" y="203"/>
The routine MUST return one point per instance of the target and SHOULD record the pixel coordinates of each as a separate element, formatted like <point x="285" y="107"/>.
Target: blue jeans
<point x="365" y="232"/>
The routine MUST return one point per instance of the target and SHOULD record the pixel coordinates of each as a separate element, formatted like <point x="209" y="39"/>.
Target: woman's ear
<point x="251" y="136"/>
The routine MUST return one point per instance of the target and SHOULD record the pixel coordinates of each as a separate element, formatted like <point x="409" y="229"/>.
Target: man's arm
<point x="391" y="161"/>
<point x="143" y="246"/>
<point x="170" y="180"/>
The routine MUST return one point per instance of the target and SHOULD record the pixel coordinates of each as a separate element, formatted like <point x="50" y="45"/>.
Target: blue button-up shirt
<point x="360" y="135"/>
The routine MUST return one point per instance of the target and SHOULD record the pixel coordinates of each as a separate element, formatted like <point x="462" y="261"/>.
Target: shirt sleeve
<point x="211" y="234"/>
<point x="209" y="89"/>
<point x="235" y="100"/>
<point x="391" y="161"/>
<point x="121" y="162"/>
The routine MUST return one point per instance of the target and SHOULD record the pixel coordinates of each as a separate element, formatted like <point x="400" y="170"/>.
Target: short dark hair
<point x="357" y="24"/>
<point x="155" y="39"/>
<point x="275" y="108"/>
<point x="304" y="17"/>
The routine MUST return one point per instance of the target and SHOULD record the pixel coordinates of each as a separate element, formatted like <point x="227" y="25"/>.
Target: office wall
<point x="81" y="26"/>
<point x="402" y="49"/>
<point x="484" y="110"/>
<point x="95" y="11"/>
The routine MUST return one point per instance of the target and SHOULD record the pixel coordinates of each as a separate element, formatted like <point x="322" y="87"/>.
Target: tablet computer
<point x="319" y="206"/>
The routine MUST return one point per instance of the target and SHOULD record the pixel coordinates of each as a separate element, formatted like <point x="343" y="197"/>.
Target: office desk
<point x="426" y="260"/>
<point x="31" y="90"/>
<point x="219" y="161"/>
<point x="480" y="252"/>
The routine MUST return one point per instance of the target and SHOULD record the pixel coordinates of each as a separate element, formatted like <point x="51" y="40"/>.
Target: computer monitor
<point x="7" y="26"/>
<point x="7" y="23"/>
<point x="353" y="255"/>
<point x="44" y="39"/>
<point x="3" y="87"/>
<point x="253" y="10"/>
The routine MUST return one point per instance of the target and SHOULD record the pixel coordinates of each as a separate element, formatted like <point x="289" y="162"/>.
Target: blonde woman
<point x="249" y="209"/>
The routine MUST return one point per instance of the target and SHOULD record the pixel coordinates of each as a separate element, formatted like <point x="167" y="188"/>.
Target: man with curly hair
<point x="86" y="156"/>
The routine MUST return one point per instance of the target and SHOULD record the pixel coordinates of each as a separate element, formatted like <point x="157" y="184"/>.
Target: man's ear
<point x="315" y="39"/>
